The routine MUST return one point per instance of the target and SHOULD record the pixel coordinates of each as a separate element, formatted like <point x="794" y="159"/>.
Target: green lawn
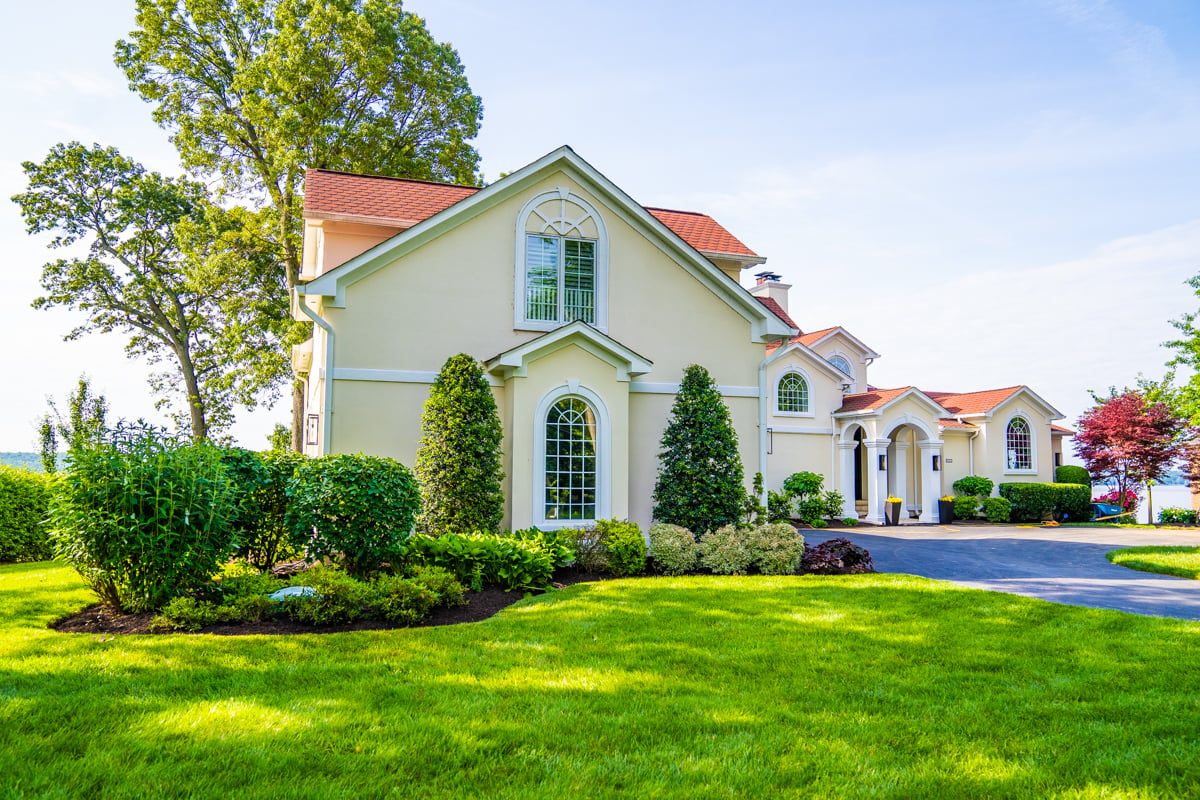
<point x="1181" y="561"/>
<point x="857" y="686"/>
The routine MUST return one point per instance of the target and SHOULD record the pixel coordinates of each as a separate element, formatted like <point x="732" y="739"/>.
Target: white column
<point x="876" y="480"/>
<point x="899" y="470"/>
<point x="846" y="469"/>
<point x="931" y="482"/>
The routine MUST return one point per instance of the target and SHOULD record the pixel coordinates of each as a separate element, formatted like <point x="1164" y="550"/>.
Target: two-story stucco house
<point x="585" y="307"/>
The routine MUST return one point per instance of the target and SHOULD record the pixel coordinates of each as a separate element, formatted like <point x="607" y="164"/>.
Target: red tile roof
<point x="405" y="201"/>
<point x="973" y="402"/>
<point x="1060" y="429"/>
<point x="778" y="311"/>
<point x="702" y="232"/>
<point x="953" y="423"/>
<point x="865" y="401"/>
<point x="806" y="339"/>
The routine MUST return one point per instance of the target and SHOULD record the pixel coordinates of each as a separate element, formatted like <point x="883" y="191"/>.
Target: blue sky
<point x="987" y="193"/>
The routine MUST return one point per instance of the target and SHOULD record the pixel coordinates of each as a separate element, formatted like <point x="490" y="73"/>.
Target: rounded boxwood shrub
<point x="357" y="510"/>
<point x="144" y="516"/>
<point x="673" y="549"/>
<point x="725" y="551"/>
<point x="458" y="464"/>
<point x="997" y="509"/>
<point x="974" y="485"/>
<point x="626" y="547"/>
<point x="700" y="479"/>
<point x="775" y="548"/>
<point x="24" y="503"/>
<point x="965" y="506"/>
<point x="1072" y="473"/>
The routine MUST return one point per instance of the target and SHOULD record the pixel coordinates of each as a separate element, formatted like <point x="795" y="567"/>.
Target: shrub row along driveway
<point x="1063" y="565"/>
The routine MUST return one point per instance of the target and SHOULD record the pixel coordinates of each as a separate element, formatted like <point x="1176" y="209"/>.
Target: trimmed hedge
<point x="518" y="561"/>
<point x="974" y="484"/>
<point x="24" y="504"/>
<point x="1034" y="502"/>
<point x="1072" y="473"/>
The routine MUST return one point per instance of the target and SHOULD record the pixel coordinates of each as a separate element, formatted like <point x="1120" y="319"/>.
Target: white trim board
<point x="647" y="387"/>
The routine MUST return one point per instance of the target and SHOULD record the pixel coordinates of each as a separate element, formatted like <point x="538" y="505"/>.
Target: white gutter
<point x="971" y="447"/>
<point x="762" y="413"/>
<point x="327" y="408"/>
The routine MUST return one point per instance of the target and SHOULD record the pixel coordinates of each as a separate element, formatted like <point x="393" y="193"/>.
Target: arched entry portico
<point x="900" y="462"/>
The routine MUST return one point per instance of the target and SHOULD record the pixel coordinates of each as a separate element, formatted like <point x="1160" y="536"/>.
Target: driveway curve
<point x="1062" y="565"/>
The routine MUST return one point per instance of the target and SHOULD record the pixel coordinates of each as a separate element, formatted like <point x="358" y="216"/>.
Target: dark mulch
<point x="102" y="619"/>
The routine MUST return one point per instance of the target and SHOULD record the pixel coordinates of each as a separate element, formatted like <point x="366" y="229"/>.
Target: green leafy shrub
<point x="775" y="548"/>
<point x="477" y="559"/>
<point x="261" y="524"/>
<point x="626" y="547"/>
<point x="975" y="485"/>
<point x="850" y="522"/>
<point x="965" y="506"/>
<point x="1072" y="473"/>
<point x="340" y="598"/>
<point x="401" y="600"/>
<point x="997" y="509"/>
<point x="144" y="516"/>
<point x="1073" y="502"/>
<point x="187" y="614"/>
<point x="803" y="484"/>
<point x="752" y="507"/>
<point x="700" y="482"/>
<point x="1177" y="516"/>
<point x="834" y="501"/>
<point x="1033" y="502"/>
<point x="818" y="524"/>
<point x="779" y="506"/>
<point x="556" y="542"/>
<point x="591" y="551"/>
<point x="458" y="463"/>
<point x="673" y="549"/>
<point x="447" y="589"/>
<point x="24" y="505"/>
<point x="811" y="509"/>
<point x="725" y="551"/>
<point x="354" y="509"/>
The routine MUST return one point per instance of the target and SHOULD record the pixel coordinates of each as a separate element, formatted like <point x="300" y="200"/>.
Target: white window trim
<point x="849" y="362"/>
<point x="563" y="194"/>
<point x="775" y="394"/>
<point x="1033" y="450"/>
<point x="603" y="456"/>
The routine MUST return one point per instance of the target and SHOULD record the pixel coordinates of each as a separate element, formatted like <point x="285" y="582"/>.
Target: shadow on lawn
<point x="675" y="687"/>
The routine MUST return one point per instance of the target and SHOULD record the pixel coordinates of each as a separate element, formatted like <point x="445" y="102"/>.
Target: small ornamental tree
<point x="699" y="484"/>
<point x="458" y="464"/>
<point x="1128" y="440"/>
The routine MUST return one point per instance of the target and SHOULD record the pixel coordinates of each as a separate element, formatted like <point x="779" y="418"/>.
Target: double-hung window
<point x="560" y="279"/>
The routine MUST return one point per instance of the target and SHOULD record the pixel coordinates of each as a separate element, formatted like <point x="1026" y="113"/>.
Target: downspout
<point x="327" y="408"/>
<point x="971" y="448"/>
<point x="762" y="413"/>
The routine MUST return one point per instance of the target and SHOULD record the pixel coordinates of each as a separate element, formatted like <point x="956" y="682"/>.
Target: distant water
<point x="1164" y="497"/>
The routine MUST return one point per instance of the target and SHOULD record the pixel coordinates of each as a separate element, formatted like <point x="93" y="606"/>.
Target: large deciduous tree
<point x="185" y="279"/>
<point x="1129" y="440"/>
<point x="458" y="464"/>
<point x="255" y="91"/>
<point x="700" y="475"/>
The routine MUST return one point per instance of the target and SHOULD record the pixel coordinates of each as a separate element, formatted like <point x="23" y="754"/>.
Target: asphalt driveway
<point x="1063" y="565"/>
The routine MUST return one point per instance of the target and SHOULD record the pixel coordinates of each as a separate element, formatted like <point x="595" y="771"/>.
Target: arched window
<point x="562" y="263"/>
<point x="1019" y="444"/>
<point x="792" y="394"/>
<point x="841" y="364"/>
<point x="571" y="454"/>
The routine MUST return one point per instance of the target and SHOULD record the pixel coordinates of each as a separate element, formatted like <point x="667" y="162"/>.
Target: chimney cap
<point x="767" y="275"/>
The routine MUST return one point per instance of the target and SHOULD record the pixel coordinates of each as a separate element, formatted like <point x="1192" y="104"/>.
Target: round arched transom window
<point x="792" y="394"/>
<point x="570" y="487"/>
<point x="841" y="364"/>
<point x="1020" y="445"/>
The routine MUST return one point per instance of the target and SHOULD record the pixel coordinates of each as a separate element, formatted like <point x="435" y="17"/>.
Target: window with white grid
<point x="1020" y="444"/>
<point x="570" y="489"/>
<point x="792" y="394"/>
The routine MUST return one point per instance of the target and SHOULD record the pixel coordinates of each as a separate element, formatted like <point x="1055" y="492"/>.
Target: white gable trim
<point x="1050" y="411"/>
<point x="515" y="362"/>
<point x="819" y="362"/>
<point x="867" y="351"/>
<point x="333" y="284"/>
<point x="916" y="394"/>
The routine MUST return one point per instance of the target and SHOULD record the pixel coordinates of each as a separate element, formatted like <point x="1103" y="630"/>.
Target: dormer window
<point x="562" y="263"/>
<point x="841" y="364"/>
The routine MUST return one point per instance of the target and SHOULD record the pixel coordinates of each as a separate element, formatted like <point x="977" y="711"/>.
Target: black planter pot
<point x="945" y="511"/>
<point x="893" y="513"/>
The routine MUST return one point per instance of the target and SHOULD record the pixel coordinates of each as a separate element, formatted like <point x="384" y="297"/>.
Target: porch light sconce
<point x="882" y="462"/>
<point x="937" y="463"/>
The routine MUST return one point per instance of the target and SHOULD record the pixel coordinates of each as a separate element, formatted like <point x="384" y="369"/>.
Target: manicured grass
<point x="857" y="686"/>
<point x="1181" y="561"/>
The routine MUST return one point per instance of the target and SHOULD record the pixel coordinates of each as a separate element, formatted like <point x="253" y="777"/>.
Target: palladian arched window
<point x="1019" y="444"/>
<point x="792" y="394"/>
<point x="571" y="470"/>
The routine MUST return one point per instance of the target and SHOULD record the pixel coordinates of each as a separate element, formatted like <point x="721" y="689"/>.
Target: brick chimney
<point x="767" y="284"/>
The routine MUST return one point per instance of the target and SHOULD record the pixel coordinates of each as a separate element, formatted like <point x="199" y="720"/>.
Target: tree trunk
<point x="298" y="415"/>
<point x="195" y="401"/>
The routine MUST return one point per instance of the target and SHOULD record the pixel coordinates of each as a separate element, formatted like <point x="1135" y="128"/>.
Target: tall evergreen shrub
<point x="458" y="465"/>
<point x="699" y="484"/>
<point x="24" y="499"/>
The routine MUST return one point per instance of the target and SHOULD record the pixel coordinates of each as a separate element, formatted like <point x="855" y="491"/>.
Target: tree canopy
<point x="183" y="278"/>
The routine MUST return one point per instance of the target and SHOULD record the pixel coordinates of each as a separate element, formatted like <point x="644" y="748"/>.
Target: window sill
<point x="794" y="414"/>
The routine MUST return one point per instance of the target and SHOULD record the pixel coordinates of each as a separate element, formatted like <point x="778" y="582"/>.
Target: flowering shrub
<point x="1130" y="502"/>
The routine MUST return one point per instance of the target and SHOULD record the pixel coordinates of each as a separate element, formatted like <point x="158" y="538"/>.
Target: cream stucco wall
<point x="838" y="344"/>
<point x="991" y="457"/>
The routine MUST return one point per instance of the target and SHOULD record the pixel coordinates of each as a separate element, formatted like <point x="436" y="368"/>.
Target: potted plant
<point x="893" y="511"/>
<point x="946" y="510"/>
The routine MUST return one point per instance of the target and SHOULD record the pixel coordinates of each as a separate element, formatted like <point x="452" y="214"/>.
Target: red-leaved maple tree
<point x="1128" y="440"/>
